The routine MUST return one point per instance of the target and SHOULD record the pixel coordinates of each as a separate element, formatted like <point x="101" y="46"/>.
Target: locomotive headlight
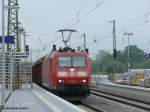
<point x="82" y="74"/>
<point x="72" y="70"/>
<point x="59" y="81"/>
<point x="84" y="81"/>
<point x="62" y="74"/>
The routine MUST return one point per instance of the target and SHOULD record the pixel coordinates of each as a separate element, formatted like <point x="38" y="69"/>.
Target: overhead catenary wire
<point x="78" y="12"/>
<point x="146" y="20"/>
<point x="35" y="42"/>
<point x="104" y="37"/>
<point x="121" y="32"/>
<point x="88" y="13"/>
<point x="147" y="14"/>
<point x="41" y="52"/>
<point x="146" y="17"/>
<point x="81" y="9"/>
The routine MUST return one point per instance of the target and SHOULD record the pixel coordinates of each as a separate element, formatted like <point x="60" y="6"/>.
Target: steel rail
<point x="130" y="102"/>
<point x="92" y="107"/>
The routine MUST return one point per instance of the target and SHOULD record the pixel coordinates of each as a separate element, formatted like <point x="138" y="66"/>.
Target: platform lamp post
<point x="128" y="34"/>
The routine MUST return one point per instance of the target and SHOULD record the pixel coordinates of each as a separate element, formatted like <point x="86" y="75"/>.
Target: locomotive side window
<point x="78" y="61"/>
<point x="64" y="61"/>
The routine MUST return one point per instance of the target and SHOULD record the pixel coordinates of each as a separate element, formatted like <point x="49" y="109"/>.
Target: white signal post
<point x="31" y="69"/>
<point x="128" y="35"/>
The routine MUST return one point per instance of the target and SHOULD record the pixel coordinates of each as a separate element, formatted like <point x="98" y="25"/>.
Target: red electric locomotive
<point x="65" y="72"/>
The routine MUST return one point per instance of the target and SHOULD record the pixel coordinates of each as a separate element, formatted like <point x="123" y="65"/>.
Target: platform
<point x="97" y="80"/>
<point x="37" y="100"/>
<point x="7" y="93"/>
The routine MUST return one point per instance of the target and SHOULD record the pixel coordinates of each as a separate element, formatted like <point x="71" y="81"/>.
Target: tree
<point x="136" y="56"/>
<point x="104" y="60"/>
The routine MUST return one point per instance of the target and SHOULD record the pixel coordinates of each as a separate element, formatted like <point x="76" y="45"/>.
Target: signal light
<point x="54" y="47"/>
<point x="87" y="50"/>
<point x="27" y="48"/>
<point x="114" y="53"/>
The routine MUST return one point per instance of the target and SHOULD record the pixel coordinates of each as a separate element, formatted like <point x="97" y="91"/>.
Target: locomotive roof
<point x="69" y="53"/>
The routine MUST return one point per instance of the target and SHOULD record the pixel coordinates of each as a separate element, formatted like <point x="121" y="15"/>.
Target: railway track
<point x="91" y="107"/>
<point x="83" y="105"/>
<point x="127" y="101"/>
<point x="88" y="107"/>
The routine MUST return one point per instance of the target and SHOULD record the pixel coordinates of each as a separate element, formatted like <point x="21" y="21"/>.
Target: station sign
<point x="20" y="54"/>
<point x="17" y="55"/>
<point x="8" y="39"/>
<point x="20" y="57"/>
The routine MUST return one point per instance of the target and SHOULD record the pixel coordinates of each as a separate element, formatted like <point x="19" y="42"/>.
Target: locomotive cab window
<point x="75" y="61"/>
<point x="78" y="61"/>
<point x="64" y="61"/>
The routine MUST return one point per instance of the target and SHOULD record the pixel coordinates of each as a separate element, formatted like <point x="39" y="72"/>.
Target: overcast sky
<point x="42" y="18"/>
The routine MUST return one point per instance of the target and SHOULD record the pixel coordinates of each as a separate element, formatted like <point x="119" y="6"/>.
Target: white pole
<point x="11" y="75"/>
<point x="3" y="52"/>
<point x="129" y="70"/>
<point x="24" y="34"/>
<point x="31" y="69"/>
